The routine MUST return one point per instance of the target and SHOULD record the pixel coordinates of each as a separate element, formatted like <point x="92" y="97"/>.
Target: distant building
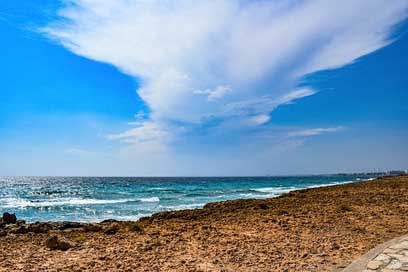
<point x="397" y="172"/>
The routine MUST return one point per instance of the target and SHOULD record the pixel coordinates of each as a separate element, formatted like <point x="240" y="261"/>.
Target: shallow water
<point x="128" y="198"/>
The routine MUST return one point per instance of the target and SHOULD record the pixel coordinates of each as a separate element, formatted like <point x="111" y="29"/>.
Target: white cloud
<point x="246" y="57"/>
<point x="214" y="94"/>
<point x="263" y="105"/>
<point x="145" y="131"/>
<point x="314" y="131"/>
<point x="260" y="119"/>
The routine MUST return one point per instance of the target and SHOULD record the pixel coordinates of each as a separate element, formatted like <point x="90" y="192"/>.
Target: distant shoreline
<point x="380" y="174"/>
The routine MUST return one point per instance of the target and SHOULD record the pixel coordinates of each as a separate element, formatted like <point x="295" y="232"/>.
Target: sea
<point x="93" y="199"/>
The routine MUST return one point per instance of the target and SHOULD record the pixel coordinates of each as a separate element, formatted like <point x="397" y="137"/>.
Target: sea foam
<point x="22" y="203"/>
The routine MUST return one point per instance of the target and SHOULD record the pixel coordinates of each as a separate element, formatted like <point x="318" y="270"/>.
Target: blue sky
<point x="133" y="88"/>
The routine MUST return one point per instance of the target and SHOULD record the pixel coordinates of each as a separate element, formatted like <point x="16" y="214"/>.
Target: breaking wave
<point x="23" y="203"/>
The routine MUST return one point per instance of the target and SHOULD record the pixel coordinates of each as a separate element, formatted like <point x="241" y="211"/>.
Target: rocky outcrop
<point x="92" y="227"/>
<point x="17" y="229"/>
<point x="54" y="242"/>
<point x="10" y="224"/>
<point x="20" y="222"/>
<point x="69" y="225"/>
<point x="112" y="229"/>
<point x="7" y="219"/>
<point x="109" y="221"/>
<point x="40" y="227"/>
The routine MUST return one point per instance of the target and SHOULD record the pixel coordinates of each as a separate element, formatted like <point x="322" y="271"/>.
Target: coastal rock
<point x="39" y="227"/>
<point x="17" y="229"/>
<point x="55" y="243"/>
<point x="112" y="229"/>
<point x="70" y="225"/>
<point x="9" y="218"/>
<point x="92" y="228"/>
<point x="109" y="221"/>
<point x="20" y="222"/>
<point x="135" y="227"/>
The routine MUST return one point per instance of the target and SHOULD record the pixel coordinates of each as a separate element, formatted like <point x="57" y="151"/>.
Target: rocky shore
<point x="321" y="229"/>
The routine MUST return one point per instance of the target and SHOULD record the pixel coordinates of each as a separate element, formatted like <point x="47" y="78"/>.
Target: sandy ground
<point x="320" y="229"/>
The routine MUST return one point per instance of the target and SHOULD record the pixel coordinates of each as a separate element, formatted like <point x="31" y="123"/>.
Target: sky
<point x="202" y="88"/>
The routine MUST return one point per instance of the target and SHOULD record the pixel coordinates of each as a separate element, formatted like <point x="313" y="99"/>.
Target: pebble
<point x="374" y="265"/>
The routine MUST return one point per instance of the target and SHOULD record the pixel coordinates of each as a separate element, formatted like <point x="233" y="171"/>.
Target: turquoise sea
<point x="128" y="198"/>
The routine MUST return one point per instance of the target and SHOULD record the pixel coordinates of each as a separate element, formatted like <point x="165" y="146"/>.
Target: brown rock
<point x="112" y="229"/>
<point x="70" y="225"/>
<point x="9" y="218"/>
<point x="53" y="242"/>
<point x="92" y="228"/>
<point x="16" y="229"/>
<point x="109" y="221"/>
<point x="20" y="222"/>
<point x="39" y="227"/>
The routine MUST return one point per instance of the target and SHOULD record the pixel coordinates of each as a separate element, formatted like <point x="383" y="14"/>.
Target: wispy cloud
<point x="263" y="105"/>
<point x="314" y="131"/>
<point x="143" y="132"/>
<point x="214" y="94"/>
<point x="234" y="61"/>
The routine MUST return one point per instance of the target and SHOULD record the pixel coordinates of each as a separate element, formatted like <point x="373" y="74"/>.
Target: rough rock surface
<point x="112" y="229"/>
<point x="55" y="243"/>
<point x="9" y="218"/>
<point x="321" y="229"/>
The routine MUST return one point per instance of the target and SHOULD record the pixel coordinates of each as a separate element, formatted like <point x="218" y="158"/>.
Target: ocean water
<point x="95" y="199"/>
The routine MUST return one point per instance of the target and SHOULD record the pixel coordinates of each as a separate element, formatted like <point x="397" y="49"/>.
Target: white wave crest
<point x="23" y="203"/>
<point x="276" y="190"/>
<point x="150" y="199"/>
<point x="183" y="206"/>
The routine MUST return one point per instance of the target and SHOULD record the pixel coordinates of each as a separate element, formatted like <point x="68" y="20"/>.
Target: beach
<point x="94" y="199"/>
<point x="316" y="229"/>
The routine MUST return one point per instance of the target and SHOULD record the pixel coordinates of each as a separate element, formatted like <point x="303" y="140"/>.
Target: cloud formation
<point x="216" y="93"/>
<point x="230" y="61"/>
<point x="314" y="131"/>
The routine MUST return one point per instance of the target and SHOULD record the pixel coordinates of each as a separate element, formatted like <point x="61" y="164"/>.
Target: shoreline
<point x="269" y="192"/>
<point x="314" y="229"/>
